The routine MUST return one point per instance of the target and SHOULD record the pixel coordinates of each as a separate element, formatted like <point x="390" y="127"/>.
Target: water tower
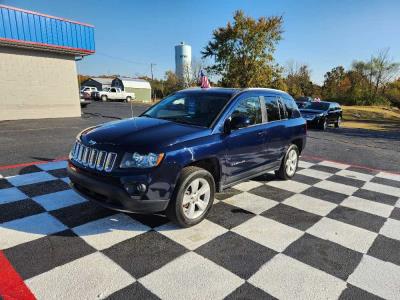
<point x="183" y="62"/>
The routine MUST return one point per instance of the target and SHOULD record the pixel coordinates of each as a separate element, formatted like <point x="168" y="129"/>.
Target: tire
<point x="285" y="171"/>
<point x="83" y="105"/>
<point x="338" y="121"/>
<point x="128" y="99"/>
<point x="104" y="98"/>
<point x="178" y="211"/>
<point x="323" y="125"/>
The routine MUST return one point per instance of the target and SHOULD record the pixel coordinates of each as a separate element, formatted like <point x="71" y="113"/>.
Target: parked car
<point x="301" y="101"/>
<point x="321" y="114"/>
<point x="85" y="102"/>
<point x="178" y="153"/>
<point x="114" y="93"/>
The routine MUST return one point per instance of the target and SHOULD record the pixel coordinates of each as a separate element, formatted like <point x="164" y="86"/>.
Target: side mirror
<point x="239" y="121"/>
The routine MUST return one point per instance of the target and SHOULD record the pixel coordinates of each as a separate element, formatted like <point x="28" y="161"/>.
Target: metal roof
<point x="103" y="80"/>
<point x="135" y="83"/>
<point x="28" y="29"/>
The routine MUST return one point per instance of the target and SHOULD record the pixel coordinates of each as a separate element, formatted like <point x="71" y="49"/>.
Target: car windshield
<point x="199" y="109"/>
<point x="316" y="105"/>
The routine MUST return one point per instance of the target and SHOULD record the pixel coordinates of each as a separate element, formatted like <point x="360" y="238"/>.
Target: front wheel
<point x="323" y="125"/>
<point x="104" y="98"/>
<point x="128" y="99"/>
<point x="193" y="197"/>
<point x="289" y="163"/>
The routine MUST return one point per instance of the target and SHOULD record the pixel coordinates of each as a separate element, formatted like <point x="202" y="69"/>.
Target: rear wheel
<point x="193" y="197"/>
<point x="128" y="99"/>
<point x="104" y="98"/>
<point x="338" y="122"/>
<point x="289" y="163"/>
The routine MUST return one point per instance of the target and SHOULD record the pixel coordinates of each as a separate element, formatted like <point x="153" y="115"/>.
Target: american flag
<point x="204" y="83"/>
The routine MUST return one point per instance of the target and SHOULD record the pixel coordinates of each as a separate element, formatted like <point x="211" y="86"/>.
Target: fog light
<point x="135" y="188"/>
<point x="141" y="187"/>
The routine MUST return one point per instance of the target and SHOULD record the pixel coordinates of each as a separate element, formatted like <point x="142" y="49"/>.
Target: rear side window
<point x="250" y="107"/>
<point x="291" y="107"/>
<point x="271" y="104"/>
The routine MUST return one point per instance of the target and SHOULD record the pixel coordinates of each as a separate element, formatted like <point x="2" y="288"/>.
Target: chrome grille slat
<point x="93" y="158"/>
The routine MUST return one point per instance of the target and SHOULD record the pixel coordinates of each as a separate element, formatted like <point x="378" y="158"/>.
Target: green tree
<point x="298" y="80"/>
<point x="243" y="51"/>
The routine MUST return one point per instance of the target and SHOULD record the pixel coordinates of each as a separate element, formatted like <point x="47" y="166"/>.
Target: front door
<point x="244" y="146"/>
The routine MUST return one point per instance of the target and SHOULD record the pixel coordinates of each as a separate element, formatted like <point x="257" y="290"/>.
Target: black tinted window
<point x="271" y="104"/>
<point x="291" y="107"/>
<point x="250" y="107"/>
<point x="282" y="109"/>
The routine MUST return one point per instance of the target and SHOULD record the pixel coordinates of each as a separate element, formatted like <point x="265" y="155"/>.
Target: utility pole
<point x="152" y="79"/>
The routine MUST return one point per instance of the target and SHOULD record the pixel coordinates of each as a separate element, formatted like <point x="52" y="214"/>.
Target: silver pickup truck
<point x="114" y="93"/>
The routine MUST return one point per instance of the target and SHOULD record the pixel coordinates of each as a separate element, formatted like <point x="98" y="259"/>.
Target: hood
<point x="311" y="111"/>
<point x="141" y="134"/>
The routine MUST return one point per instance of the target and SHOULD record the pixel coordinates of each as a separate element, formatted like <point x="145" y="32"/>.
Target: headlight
<point x="136" y="160"/>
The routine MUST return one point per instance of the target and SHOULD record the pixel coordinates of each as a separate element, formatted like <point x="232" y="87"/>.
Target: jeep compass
<point x="194" y="143"/>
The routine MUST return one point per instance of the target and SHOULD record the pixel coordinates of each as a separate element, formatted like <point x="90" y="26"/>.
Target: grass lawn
<point x="371" y="117"/>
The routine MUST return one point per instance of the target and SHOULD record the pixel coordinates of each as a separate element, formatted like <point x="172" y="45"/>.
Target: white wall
<point x="36" y="84"/>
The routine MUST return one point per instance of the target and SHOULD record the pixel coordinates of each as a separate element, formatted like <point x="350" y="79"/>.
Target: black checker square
<point x="395" y="213"/>
<point x="145" y="253"/>
<point x="325" y="169"/>
<point x="376" y="196"/>
<point x="43" y="188"/>
<point x="385" y="181"/>
<point x="323" y="194"/>
<point x="79" y="214"/>
<point x="248" y="291"/>
<point x="225" y="194"/>
<point x="59" y="173"/>
<point x="46" y="253"/>
<point x="354" y="293"/>
<point x="19" y="209"/>
<point x="386" y="249"/>
<point x="271" y="192"/>
<point x="367" y="171"/>
<point x="324" y="255"/>
<point x="5" y="184"/>
<point x="357" y="218"/>
<point x="347" y="181"/>
<point x="292" y="216"/>
<point x="305" y="179"/>
<point x="133" y="291"/>
<point x="237" y="254"/>
<point x="228" y="216"/>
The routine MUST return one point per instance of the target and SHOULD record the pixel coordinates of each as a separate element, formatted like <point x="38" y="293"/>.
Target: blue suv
<point x="182" y="150"/>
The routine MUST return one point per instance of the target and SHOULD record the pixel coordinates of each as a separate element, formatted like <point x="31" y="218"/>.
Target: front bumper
<point x="112" y="195"/>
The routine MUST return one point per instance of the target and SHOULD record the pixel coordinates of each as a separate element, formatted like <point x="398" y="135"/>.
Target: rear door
<point x="244" y="146"/>
<point x="332" y="113"/>
<point x="275" y="129"/>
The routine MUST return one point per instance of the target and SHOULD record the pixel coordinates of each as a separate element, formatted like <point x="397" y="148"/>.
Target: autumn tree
<point x="243" y="51"/>
<point x="298" y="80"/>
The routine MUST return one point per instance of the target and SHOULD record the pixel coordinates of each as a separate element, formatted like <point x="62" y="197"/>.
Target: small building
<point x="38" y="53"/>
<point x="98" y="82"/>
<point x="140" y="87"/>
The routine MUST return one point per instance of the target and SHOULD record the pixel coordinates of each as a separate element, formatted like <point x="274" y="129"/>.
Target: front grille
<point x="93" y="158"/>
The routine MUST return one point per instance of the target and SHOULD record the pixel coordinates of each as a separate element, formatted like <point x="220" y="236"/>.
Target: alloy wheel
<point x="291" y="162"/>
<point x="196" y="198"/>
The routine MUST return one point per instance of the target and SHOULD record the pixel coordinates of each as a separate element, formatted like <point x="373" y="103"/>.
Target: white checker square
<point x="94" y="276"/>
<point x="289" y="185"/>
<point x="27" y="229"/>
<point x="66" y="180"/>
<point x="251" y="202"/>
<point x="267" y="232"/>
<point x="30" y="178"/>
<point x="355" y="175"/>
<point x="192" y="237"/>
<point x="377" y="277"/>
<point x="58" y="200"/>
<point x="11" y="195"/>
<point x="390" y="176"/>
<point x="336" y="187"/>
<point x="305" y="164"/>
<point x="310" y="204"/>
<point x="191" y="276"/>
<point x="287" y="278"/>
<point x="391" y="229"/>
<point x="247" y="185"/>
<point x="349" y="236"/>
<point x="62" y="164"/>
<point x="333" y="164"/>
<point x="106" y="232"/>
<point x="368" y="206"/>
<point x="381" y="188"/>
<point x="315" y="173"/>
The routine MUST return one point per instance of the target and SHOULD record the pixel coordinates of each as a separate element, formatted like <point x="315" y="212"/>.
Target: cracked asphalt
<point x="47" y="139"/>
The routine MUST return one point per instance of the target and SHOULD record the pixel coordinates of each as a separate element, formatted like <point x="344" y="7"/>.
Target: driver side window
<point x="251" y="108"/>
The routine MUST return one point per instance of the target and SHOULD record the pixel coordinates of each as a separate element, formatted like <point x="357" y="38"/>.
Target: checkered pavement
<point x="331" y="232"/>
